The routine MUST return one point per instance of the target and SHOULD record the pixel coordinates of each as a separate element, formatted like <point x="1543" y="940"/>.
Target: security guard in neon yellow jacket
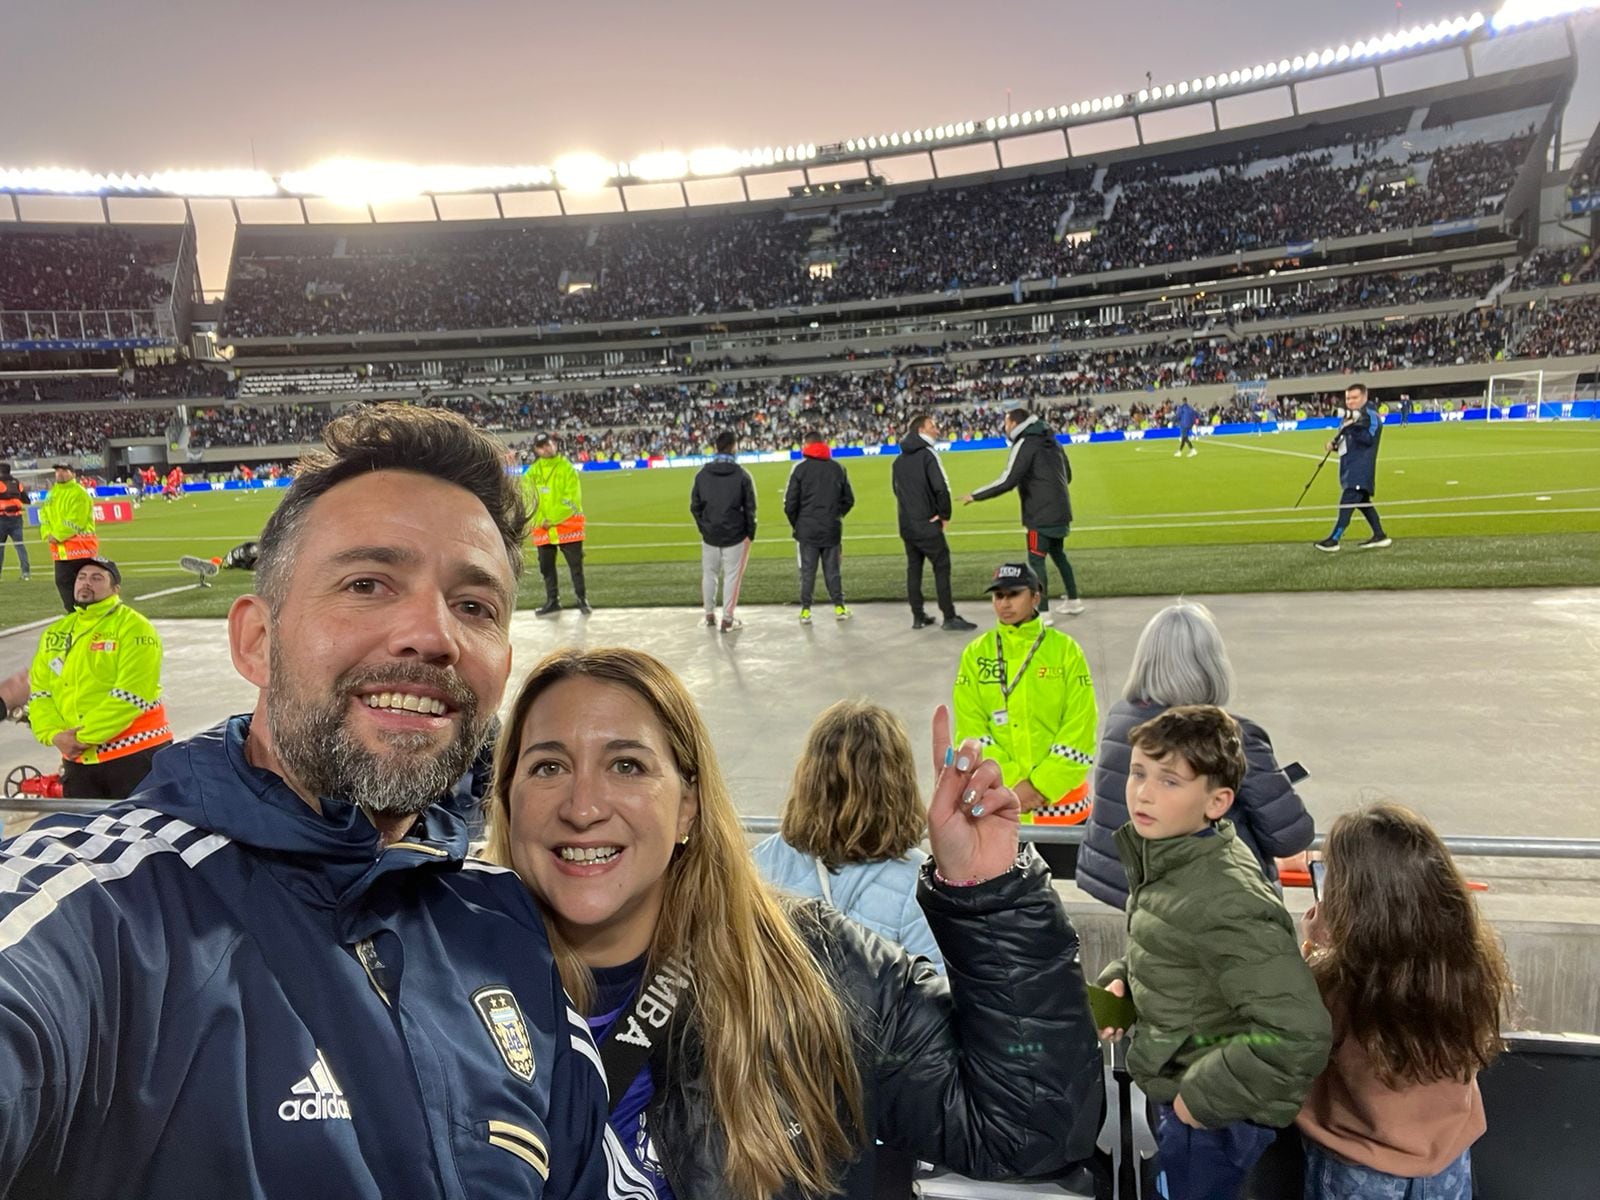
<point x="1025" y="692"/>
<point x="554" y="497"/>
<point x="95" y="689"/>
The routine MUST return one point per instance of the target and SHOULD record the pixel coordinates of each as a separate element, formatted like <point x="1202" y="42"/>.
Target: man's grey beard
<point x="322" y="755"/>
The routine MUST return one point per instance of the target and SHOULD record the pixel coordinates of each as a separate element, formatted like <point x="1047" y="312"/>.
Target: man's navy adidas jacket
<point x="210" y="990"/>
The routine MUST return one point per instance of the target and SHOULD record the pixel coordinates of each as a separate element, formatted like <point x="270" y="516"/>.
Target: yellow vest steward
<point x="1045" y="731"/>
<point x="553" y="495"/>
<point x="67" y="515"/>
<point x="98" y="670"/>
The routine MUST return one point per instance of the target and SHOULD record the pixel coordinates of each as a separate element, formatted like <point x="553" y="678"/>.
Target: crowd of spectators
<point x="937" y="241"/>
<point x="1571" y="328"/>
<point x="867" y="406"/>
<point x="244" y="425"/>
<point x="1553" y="266"/>
<point x="174" y="381"/>
<point x="99" y="268"/>
<point x="45" y="436"/>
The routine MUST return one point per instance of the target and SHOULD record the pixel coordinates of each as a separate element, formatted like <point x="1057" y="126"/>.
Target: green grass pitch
<point x="1469" y="505"/>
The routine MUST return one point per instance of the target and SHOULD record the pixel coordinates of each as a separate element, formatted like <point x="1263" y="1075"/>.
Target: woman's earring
<point x="684" y="840"/>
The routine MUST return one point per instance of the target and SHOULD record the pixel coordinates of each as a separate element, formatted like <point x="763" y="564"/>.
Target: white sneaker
<point x="1072" y="608"/>
<point x="1193" y="452"/>
<point x="1177" y="454"/>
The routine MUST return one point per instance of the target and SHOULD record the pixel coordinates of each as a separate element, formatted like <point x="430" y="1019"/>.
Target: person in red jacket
<point x="174" y="485"/>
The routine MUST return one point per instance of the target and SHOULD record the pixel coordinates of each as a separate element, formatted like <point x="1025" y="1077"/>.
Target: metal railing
<point x="1460" y="845"/>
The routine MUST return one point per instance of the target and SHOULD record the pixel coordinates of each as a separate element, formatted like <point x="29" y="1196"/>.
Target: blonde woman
<point x="756" y="1046"/>
<point x="851" y="826"/>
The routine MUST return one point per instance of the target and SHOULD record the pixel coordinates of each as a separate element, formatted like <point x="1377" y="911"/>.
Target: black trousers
<point x="573" y="553"/>
<point x="828" y="556"/>
<point x="11" y="530"/>
<point x="114" y="780"/>
<point x="66" y="577"/>
<point x="1352" y="501"/>
<point x="935" y="550"/>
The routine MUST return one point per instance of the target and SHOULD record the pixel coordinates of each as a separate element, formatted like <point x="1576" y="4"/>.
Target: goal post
<point x="1529" y="395"/>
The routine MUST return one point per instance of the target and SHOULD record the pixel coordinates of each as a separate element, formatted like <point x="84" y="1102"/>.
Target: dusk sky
<point x="167" y="84"/>
<point x="192" y="83"/>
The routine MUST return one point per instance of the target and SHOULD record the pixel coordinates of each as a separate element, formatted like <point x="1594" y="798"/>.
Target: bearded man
<point x="274" y="970"/>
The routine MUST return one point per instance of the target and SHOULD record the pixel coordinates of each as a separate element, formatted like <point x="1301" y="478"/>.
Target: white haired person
<point x="1180" y="659"/>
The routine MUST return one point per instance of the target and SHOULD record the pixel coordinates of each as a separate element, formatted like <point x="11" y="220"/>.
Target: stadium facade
<point x="1414" y="230"/>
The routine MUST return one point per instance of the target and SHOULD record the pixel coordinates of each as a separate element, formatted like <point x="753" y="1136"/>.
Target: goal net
<point x="1530" y="395"/>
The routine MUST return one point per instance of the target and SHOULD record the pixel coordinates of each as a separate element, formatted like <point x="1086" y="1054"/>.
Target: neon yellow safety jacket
<point x="1044" y="731"/>
<point x="553" y="495"/>
<point x="67" y="514"/>
<point x="98" y="670"/>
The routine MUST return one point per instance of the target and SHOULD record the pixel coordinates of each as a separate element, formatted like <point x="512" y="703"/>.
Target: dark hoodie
<point x="213" y="982"/>
<point x="920" y="489"/>
<point x="723" y="502"/>
<point x="1038" y="469"/>
<point x="818" y="497"/>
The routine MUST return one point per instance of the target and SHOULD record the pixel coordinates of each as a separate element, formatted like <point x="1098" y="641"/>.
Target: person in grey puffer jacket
<point x="1180" y="659"/>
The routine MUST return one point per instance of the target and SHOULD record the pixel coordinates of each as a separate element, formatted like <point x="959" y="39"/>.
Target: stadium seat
<point x="1543" y="1142"/>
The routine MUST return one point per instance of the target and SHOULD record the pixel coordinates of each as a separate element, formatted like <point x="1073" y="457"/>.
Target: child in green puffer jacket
<point x="1231" y="1029"/>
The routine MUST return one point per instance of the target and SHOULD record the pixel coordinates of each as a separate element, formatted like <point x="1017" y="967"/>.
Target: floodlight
<point x="659" y="165"/>
<point x="714" y="160"/>
<point x="356" y="182"/>
<point x="215" y="183"/>
<point x="582" y="172"/>
<point x="1118" y="100"/>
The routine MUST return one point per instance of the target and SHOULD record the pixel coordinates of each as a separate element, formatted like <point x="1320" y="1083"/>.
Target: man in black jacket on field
<point x="922" y="494"/>
<point x="816" y="502"/>
<point x="1039" y="471"/>
<point x="723" y="504"/>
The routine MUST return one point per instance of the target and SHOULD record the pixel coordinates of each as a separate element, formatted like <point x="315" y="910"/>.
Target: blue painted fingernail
<point x="963" y="763"/>
<point x="977" y="810"/>
<point x="949" y="755"/>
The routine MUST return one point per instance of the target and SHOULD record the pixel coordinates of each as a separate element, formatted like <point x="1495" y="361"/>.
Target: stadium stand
<point x="361" y="281"/>
<point x="93" y="268"/>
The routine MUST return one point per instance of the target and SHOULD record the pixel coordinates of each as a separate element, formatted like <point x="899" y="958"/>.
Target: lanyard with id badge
<point x="1002" y="715"/>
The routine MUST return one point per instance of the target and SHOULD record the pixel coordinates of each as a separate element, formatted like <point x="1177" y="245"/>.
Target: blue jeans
<point x="1206" y="1164"/>
<point x="1329" y="1177"/>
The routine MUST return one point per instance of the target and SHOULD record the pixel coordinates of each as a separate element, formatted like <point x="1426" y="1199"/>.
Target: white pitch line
<point x="1262" y="449"/>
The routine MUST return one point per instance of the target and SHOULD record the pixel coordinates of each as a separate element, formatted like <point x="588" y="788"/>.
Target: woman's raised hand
<point x="973" y="817"/>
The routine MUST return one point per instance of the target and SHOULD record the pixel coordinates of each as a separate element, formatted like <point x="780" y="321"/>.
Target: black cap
<point x="109" y="566"/>
<point x="1008" y="577"/>
<point x="64" y="467"/>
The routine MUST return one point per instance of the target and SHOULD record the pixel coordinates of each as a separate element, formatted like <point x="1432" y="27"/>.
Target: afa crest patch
<point x="502" y="1017"/>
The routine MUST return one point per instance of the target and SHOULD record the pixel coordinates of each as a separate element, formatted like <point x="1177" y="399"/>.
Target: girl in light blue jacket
<point x="851" y="825"/>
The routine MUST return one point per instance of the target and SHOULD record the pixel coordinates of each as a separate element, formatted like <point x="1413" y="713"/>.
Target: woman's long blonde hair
<point x="776" y="1038"/>
<point x="855" y="796"/>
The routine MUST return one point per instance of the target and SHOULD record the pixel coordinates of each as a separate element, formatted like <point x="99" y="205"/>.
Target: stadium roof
<point x="360" y="182"/>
